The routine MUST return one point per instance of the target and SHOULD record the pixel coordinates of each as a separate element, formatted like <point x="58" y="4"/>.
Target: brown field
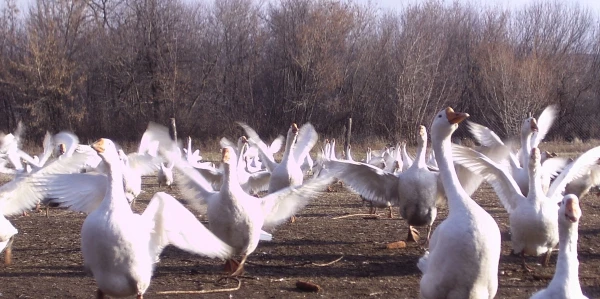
<point x="346" y="257"/>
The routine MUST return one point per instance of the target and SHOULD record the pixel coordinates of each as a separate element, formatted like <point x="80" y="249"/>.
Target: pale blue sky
<point x="594" y="5"/>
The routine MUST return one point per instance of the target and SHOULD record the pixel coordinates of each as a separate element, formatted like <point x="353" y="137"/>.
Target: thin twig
<point x="328" y="264"/>
<point x="355" y="215"/>
<point x="299" y="264"/>
<point x="219" y="281"/>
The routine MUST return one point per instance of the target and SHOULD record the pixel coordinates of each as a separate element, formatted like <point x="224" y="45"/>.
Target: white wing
<point x="80" y="192"/>
<point x="144" y="164"/>
<point x="279" y="206"/>
<point x="277" y="144"/>
<point x="23" y="193"/>
<point x="306" y="140"/>
<point x="574" y="170"/>
<point x="503" y="183"/>
<point x="193" y="185"/>
<point x="369" y="181"/>
<point x="175" y="225"/>
<point x="544" y="122"/>
<point x="484" y="135"/>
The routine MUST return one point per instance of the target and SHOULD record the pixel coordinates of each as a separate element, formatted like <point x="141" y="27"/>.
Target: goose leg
<point x="231" y="266"/>
<point x="240" y="268"/>
<point x="524" y="264"/>
<point x="413" y="234"/>
<point x="428" y="235"/>
<point x="546" y="258"/>
<point x="390" y="214"/>
<point x="139" y="296"/>
<point x="99" y="294"/>
<point x="8" y="251"/>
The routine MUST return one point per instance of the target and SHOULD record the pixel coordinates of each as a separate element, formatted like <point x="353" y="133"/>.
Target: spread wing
<point x="574" y="170"/>
<point x="279" y="206"/>
<point x="24" y="192"/>
<point x="544" y="123"/>
<point x="80" y="192"/>
<point x="369" y="181"/>
<point x="194" y="187"/>
<point x="175" y="225"/>
<point x="306" y="140"/>
<point x="503" y="183"/>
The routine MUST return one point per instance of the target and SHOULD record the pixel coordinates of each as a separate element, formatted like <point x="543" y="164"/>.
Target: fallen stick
<point x="328" y="264"/>
<point x="355" y="215"/>
<point x="299" y="264"/>
<point x="205" y="291"/>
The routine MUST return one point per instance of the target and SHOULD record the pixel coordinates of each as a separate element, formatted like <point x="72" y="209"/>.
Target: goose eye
<point x="439" y="116"/>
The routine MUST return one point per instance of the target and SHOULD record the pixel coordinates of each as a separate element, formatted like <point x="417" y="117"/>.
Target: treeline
<point x="107" y="67"/>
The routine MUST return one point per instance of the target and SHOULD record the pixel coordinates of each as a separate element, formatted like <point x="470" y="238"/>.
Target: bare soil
<point x="346" y="257"/>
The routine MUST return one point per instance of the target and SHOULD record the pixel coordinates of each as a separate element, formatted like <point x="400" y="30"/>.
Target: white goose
<point x="464" y="251"/>
<point x="120" y="248"/>
<point x="416" y="191"/>
<point x="407" y="161"/>
<point x="298" y="144"/>
<point x="237" y="217"/>
<point x="165" y="174"/>
<point x="533" y="226"/>
<point x="565" y="283"/>
<point x="488" y="138"/>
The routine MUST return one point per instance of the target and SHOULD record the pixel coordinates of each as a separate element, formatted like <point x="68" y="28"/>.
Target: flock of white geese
<point x="120" y="248"/>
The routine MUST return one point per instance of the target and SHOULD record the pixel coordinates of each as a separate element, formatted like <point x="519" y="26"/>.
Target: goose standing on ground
<point x="533" y="226"/>
<point x="416" y="191"/>
<point x="120" y="248"/>
<point x="297" y="145"/>
<point x="165" y="175"/>
<point x="421" y="191"/>
<point x="237" y="217"/>
<point x="565" y="283"/>
<point x="464" y="251"/>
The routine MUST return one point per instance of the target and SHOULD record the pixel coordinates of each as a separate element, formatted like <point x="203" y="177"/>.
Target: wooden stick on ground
<point x="205" y="291"/>
<point x="355" y="215"/>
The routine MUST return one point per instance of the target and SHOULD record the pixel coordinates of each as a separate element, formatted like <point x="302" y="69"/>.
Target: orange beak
<point x="422" y="130"/>
<point x="99" y="146"/>
<point x="294" y="128"/>
<point x="454" y="117"/>
<point x="226" y="155"/>
<point x="573" y="212"/>
<point x="534" y="127"/>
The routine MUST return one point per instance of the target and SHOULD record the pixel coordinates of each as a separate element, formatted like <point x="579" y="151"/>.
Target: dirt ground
<point x="346" y="257"/>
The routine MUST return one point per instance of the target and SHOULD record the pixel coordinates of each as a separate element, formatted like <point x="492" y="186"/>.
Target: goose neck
<point x="567" y="265"/>
<point x="457" y="197"/>
<point x="116" y="188"/>
<point x="421" y="151"/>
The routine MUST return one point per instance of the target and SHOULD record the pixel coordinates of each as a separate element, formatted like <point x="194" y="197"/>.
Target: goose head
<point x="228" y="155"/>
<point x="446" y="122"/>
<point x="529" y="126"/>
<point x="422" y="138"/>
<point x="569" y="210"/>
<point x="62" y="148"/>
<point x="106" y="149"/>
